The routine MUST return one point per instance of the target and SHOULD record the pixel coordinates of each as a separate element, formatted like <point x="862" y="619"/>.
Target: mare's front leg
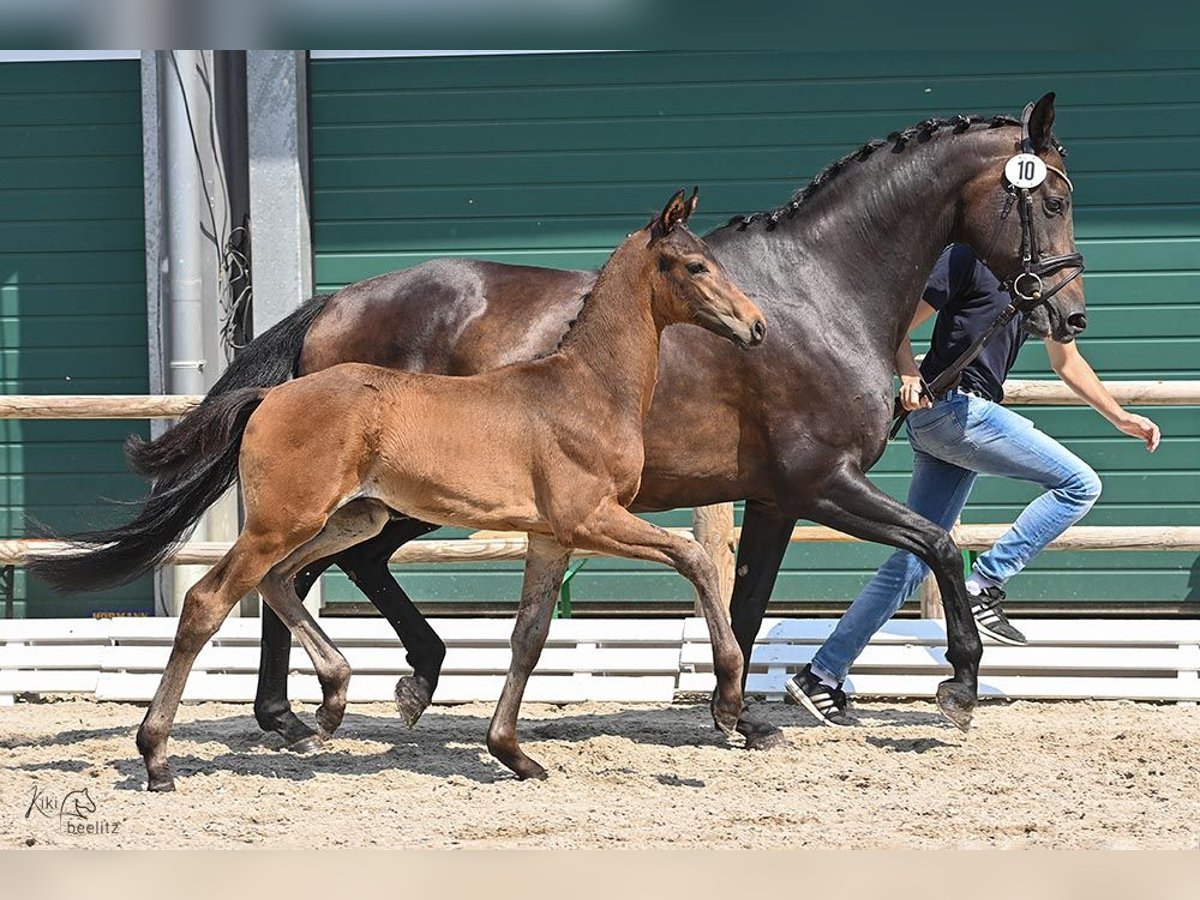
<point x="366" y="565"/>
<point x="851" y="503"/>
<point x="545" y="564"/>
<point x="765" y="538"/>
<point x="614" y="530"/>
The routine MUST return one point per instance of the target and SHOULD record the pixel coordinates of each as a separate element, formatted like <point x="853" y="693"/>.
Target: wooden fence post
<point x="931" y="599"/>
<point x="713" y="527"/>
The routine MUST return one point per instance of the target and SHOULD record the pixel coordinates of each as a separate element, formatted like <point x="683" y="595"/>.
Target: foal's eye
<point x="697" y="268"/>
<point x="1054" y="205"/>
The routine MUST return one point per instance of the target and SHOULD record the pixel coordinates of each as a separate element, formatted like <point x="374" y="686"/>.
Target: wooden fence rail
<point x="713" y="525"/>
<point x="1021" y="392"/>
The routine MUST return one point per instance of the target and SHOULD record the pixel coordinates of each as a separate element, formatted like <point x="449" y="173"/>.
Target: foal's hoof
<point x="725" y="722"/>
<point x="413" y="697"/>
<point x="532" y="772"/>
<point x="306" y="745"/>
<point x="161" y="784"/>
<point x="329" y="720"/>
<point x="957" y="703"/>
<point x="760" y="735"/>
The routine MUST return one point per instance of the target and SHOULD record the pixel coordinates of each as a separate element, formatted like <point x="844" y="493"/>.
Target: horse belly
<point x="464" y="473"/>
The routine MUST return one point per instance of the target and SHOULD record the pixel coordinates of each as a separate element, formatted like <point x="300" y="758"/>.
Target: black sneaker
<point x="992" y="621"/>
<point x="826" y="703"/>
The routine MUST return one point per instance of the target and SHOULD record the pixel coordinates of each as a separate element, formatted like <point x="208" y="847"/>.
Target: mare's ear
<point x="1041" y="123"/>
<point x="673" y="213"/>
<point x="692" y="202"/>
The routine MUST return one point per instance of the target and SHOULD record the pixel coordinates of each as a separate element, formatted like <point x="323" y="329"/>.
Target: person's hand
<point x="910" y="393"/>
<point x="1141" y="428"/>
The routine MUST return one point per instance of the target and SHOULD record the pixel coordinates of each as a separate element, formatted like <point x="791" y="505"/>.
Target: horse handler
<point x="955" y="438"/>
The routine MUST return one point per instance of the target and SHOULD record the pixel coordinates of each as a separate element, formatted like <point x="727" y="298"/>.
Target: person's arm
<point x="906" y="364"/>
<point x="1078" y="375"/>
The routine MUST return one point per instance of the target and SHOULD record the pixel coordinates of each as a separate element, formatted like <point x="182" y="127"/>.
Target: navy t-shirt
<point x="968" y="298"/>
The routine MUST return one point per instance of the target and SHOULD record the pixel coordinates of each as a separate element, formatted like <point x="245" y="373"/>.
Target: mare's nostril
<point x="1077" y="322"/>
<point x="758" y="331"/>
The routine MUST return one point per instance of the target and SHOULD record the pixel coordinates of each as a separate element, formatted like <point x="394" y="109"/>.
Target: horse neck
<point x="876" y="231"/>
<point x="616" y="335"/>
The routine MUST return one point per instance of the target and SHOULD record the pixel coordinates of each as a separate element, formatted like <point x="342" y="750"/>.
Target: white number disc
<point x="1025" y="170"/>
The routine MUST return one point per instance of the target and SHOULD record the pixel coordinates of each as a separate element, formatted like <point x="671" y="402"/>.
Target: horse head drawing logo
<point x="77" y="805"/>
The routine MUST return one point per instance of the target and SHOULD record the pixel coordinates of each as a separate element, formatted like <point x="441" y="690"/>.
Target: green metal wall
<point x="72" y="300"/>
<point x="551" y="160"/>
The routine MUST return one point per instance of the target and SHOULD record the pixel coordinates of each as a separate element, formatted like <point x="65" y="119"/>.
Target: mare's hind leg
<point x="614" y="530"/>
<point x="545" y="564"/>
<point x="347" y="526"/>
<point x="205" y="607"/>
<point x="366" y="566"/>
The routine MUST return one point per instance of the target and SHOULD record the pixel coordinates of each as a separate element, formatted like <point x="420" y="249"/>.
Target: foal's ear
<point x="676" y="211"/>
<point x="692" y="202"/>
<point x="1041" y="122"/>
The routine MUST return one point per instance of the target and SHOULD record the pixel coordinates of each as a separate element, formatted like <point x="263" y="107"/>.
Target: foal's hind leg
<point x="545" y="563"/>
<point x="614" y="530"/>
<point x="346" y="527"/>
<point x="205" y="607"/>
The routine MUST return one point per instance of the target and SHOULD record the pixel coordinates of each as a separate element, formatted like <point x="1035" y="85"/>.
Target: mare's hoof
<point x="956" y="703"/>
<point x="311" y="744"/>
<point x="413" y="697"/>
<point x="760" y="735"/>
<point x="161" y="785"/>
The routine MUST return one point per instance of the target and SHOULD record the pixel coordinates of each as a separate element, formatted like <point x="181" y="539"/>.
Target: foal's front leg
<point x="545" y="564"/>
<point x="614" y="530"/>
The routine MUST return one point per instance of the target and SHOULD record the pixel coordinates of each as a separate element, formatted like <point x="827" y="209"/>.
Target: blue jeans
<point x="959" y="437"/>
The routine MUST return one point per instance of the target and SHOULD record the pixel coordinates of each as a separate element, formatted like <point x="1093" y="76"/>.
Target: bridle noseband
<point x="1027" y="288"/>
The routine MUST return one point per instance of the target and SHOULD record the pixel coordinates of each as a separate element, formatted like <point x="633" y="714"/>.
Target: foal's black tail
<point x="212" y="436"/>
<point x="267" y="361"/>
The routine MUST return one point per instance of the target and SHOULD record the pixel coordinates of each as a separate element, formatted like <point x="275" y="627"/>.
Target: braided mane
<point x="897" y="140"/>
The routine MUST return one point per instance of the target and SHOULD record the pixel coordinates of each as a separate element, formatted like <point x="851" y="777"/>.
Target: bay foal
<point x="551" y="447"/>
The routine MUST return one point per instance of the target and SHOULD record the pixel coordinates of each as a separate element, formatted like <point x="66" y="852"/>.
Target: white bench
<point x="621" y="660"/>
<point x="123" y="659"/>
<point x="1137" y="659"/>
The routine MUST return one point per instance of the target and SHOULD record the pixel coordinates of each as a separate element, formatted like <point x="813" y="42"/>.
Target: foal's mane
<point x="897" y="140"/>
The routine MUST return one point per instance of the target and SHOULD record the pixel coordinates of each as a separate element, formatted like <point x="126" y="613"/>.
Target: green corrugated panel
<point x="72" y="301"/>
<point x="550" y="160"/>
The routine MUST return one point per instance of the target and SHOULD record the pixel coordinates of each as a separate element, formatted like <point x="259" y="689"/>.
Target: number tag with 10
<point x="1025" y="170"/>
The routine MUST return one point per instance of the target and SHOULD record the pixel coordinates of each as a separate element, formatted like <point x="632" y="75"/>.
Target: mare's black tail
<point x="209" y="440"/>
<point x="268" y="360"/>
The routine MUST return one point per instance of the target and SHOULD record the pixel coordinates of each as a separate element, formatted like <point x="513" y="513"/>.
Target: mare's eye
<point x="1054" y="205"/>
<point x="697" y="268"/>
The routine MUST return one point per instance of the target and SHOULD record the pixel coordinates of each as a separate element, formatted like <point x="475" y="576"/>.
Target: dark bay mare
<point x="792" y="428"/>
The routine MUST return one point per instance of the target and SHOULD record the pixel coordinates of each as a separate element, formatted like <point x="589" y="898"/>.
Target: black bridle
<point x="1027" y="288"/>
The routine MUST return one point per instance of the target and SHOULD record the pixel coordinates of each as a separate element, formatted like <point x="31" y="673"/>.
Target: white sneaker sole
<point x="999" y="638"/>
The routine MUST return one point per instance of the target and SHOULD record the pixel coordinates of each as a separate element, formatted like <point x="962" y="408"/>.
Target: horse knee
<point x="944" y="555"/>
